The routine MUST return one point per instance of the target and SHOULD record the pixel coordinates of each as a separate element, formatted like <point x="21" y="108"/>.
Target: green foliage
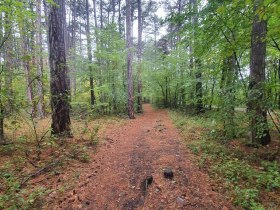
<point x="235" y="170"/>
<point x="17" y="198"/>
<point x="248" y="198"/>
<point x="78" y="152"/>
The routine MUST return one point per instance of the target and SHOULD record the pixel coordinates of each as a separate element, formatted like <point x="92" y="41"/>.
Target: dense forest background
<point x="66" y="60"/>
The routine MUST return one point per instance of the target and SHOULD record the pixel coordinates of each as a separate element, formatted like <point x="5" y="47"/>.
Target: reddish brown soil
<point x="143" y="147"/>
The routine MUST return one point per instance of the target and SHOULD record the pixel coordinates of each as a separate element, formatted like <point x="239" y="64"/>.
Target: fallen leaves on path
<point x="127" y="171"/>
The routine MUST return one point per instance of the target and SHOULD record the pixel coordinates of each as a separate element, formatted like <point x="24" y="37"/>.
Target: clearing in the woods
<point x="127" y="171"/>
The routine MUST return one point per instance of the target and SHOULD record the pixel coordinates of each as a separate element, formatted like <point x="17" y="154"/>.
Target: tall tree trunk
<point x="119" y="19"/>
<point x="39" y="61"/>
<point x="89" y="49"/>
<point x="27" y="71"/>
<point x="228" y="99"/>
<point x="2" y="137"/>
<point x="256" y="97"/>
<point x="46" y="13"/>
<point x="101" y="14"/>
<point x="9" y="66"/>
<point x="129" y="61"/>
<point x="59" y="88"/>
<point x="73" y="82"/>
<point x="94" y="14"/>
<point x="67" y="47"/>
<point x="198" y="73"/>
<point x="139" y="56"/>
<point x="114" y="11"/>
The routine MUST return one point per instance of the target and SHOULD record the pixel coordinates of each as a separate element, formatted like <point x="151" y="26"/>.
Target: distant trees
<point x="210" y="50"/>
<point x="201" y="62"/>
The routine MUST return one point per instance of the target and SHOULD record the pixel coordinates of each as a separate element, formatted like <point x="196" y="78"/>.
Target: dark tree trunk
<point x="101" y="13"/>
<point x="89" y="49"/>
<point x="119" y="19"/>
<point x="9" y="66"/>
<point x="139" y="56"/>
<point x="198" y="88"/>
<point x="58" y="84"/>
<point x="114" y="11"/>
<point x="94" y="14"/>
<point x="256" y="97"/>
<point x="129" y="61"/>
<point x="2" y="138"/>
<point x="198" y="73"/>
<point x="228" y="97"/>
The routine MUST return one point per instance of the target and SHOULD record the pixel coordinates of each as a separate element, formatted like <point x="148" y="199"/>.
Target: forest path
<point x="140" y="148"/>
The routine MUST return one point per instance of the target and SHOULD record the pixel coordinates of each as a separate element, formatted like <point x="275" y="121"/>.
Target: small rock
<point x="149" y="180"/>
<point x="87" y="202"/>
<point x="168" y="173"/>
<point x="180" y="201"/>
<point x="148" y="131"/>
<point x="157" y="190"/>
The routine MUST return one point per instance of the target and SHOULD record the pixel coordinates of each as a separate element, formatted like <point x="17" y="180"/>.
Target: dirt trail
<point x="140" y="148"/>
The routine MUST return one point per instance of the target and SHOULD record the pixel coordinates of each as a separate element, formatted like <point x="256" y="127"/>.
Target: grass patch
<point x="246" y="178"/>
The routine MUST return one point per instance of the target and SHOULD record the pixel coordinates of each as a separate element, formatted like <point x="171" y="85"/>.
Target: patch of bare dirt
<point x="119" y="177"/>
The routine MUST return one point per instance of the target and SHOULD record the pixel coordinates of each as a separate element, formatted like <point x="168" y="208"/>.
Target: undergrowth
<point x="29" y="156"/>
<point x="243" y="177"/>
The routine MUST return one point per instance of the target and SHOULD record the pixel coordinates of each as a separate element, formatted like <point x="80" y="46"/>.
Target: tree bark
<point x="59" y="88"/>
<point x="9" y="66"/>
<point x="119" y="19"/>
<point x="89" y="49"/>
<point x="39" y="61"/>
<point x="256" y="97"/>
<point x="73" y="47"/>
<point x="101" y="14"/>
<point x="139" y="56"/>
<point x="2" y="137"/>
<point x="129" y="61"/>
<point x="114" y="11"/>
<point x="27" y="71"/>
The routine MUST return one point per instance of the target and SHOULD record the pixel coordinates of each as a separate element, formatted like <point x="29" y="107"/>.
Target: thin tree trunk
<point x="89" y="49"/>
<point x="94" y="14"/>
<point x="39" y="62"/>
<point x="66" y="43"/>
<point x="129" y="61"/>
<point x="198" y="73"/>
<point x="8" y="57"/>
<point x="119" y="18"/>
<point x="256" y="98"/>
<point x="27" y="69"/>
<point x="59" y="88"/>
<point x="139" y="56"/>
<point x="73" y="82"/>
<point x="101" y="14"/>
<point x="2" y="137"/>
<point x="114" y="11"/>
